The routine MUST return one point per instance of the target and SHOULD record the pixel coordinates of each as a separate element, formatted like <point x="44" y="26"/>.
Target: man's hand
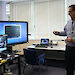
<point x="69" y="39"/>
<point x="56" y="32"/>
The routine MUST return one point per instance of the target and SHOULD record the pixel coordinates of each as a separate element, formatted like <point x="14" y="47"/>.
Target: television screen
<point x="16" y="31"/>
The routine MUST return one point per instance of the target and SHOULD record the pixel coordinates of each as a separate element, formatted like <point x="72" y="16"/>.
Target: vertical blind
<point x="44" y="17"/>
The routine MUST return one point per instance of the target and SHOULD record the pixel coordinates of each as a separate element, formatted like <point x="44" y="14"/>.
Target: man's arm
<point x="62" y="33"/>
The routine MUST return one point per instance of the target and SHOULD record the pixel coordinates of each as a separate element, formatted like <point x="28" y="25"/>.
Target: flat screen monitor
<point x="16" y="31"/>
<point x="3" y="43"/>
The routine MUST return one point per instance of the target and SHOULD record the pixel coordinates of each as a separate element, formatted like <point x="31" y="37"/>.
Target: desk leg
<point x="19" y="67"/>
<point x="4" y="68"/>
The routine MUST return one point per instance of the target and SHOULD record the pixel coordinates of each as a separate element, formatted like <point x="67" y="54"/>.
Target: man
<point x="69" y="31"/>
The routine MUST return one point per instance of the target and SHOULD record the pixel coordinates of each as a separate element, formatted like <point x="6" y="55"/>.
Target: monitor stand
<point x="9" y="48"/>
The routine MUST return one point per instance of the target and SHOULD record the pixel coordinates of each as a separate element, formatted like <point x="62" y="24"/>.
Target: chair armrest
<point x="42" y="55"/>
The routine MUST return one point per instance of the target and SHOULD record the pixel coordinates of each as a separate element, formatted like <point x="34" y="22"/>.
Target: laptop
<point x="44" y="41"/>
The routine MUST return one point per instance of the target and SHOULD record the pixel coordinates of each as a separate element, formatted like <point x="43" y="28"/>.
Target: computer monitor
<point x="17" y="31"/>
<point x="3" y="43"/>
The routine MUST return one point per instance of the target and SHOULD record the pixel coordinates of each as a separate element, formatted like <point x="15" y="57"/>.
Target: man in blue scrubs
<point x="69" y="31"/>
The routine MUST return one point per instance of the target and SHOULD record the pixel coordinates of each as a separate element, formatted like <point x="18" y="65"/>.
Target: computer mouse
<point x="51" y="46"/>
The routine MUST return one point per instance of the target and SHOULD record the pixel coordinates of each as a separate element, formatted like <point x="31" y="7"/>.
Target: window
<point x="8" y="11"/>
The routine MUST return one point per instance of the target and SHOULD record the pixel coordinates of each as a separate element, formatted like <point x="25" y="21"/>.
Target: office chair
<point x="32" y="57"/>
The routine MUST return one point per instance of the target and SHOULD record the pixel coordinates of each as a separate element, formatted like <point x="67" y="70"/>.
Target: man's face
<point x="71" y="13"/>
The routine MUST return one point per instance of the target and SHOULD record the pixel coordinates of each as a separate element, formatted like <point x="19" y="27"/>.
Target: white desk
<point x="58" y="47"/>
<point x="56" y="52"/>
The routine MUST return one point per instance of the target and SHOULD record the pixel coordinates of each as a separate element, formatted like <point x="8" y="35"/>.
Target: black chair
<point x="32" y="57"/>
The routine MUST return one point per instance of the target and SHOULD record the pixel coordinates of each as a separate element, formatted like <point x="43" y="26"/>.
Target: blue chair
<point x="32" y="57"/>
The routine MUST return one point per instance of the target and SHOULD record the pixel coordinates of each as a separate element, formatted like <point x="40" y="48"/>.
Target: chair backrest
<point x="31" y="56"/>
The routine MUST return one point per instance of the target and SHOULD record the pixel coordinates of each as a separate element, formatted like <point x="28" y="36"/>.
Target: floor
<point x="52" y="67"/>
<point x="47" y="71"/>
<point x="43" y="70"/>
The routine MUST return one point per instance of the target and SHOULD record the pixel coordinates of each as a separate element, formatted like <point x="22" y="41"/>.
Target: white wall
<point x="48" y="16"/>
<point x="71" y="2"/>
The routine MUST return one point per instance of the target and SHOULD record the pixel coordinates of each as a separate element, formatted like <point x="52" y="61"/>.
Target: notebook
<point x="44" y="41"/>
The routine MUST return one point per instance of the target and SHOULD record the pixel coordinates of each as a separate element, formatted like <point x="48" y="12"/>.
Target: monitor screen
<point x="16" y="31"/>
<point x="45" y="41"/>
<point x="3" y="43"/>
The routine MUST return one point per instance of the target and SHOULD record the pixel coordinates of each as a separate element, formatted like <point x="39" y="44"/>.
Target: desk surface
<point x="59" y="47"/>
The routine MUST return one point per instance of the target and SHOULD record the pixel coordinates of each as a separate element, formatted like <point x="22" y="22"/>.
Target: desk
<point x="57" y="52"/>
<point x="11" y="59"/>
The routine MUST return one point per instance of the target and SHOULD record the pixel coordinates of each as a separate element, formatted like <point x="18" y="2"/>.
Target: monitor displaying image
<point x="16" y="31"/>
<point x="13" y="31"/>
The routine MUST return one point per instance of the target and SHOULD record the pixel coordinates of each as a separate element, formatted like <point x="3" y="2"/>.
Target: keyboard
<point x="44" y="46"/>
